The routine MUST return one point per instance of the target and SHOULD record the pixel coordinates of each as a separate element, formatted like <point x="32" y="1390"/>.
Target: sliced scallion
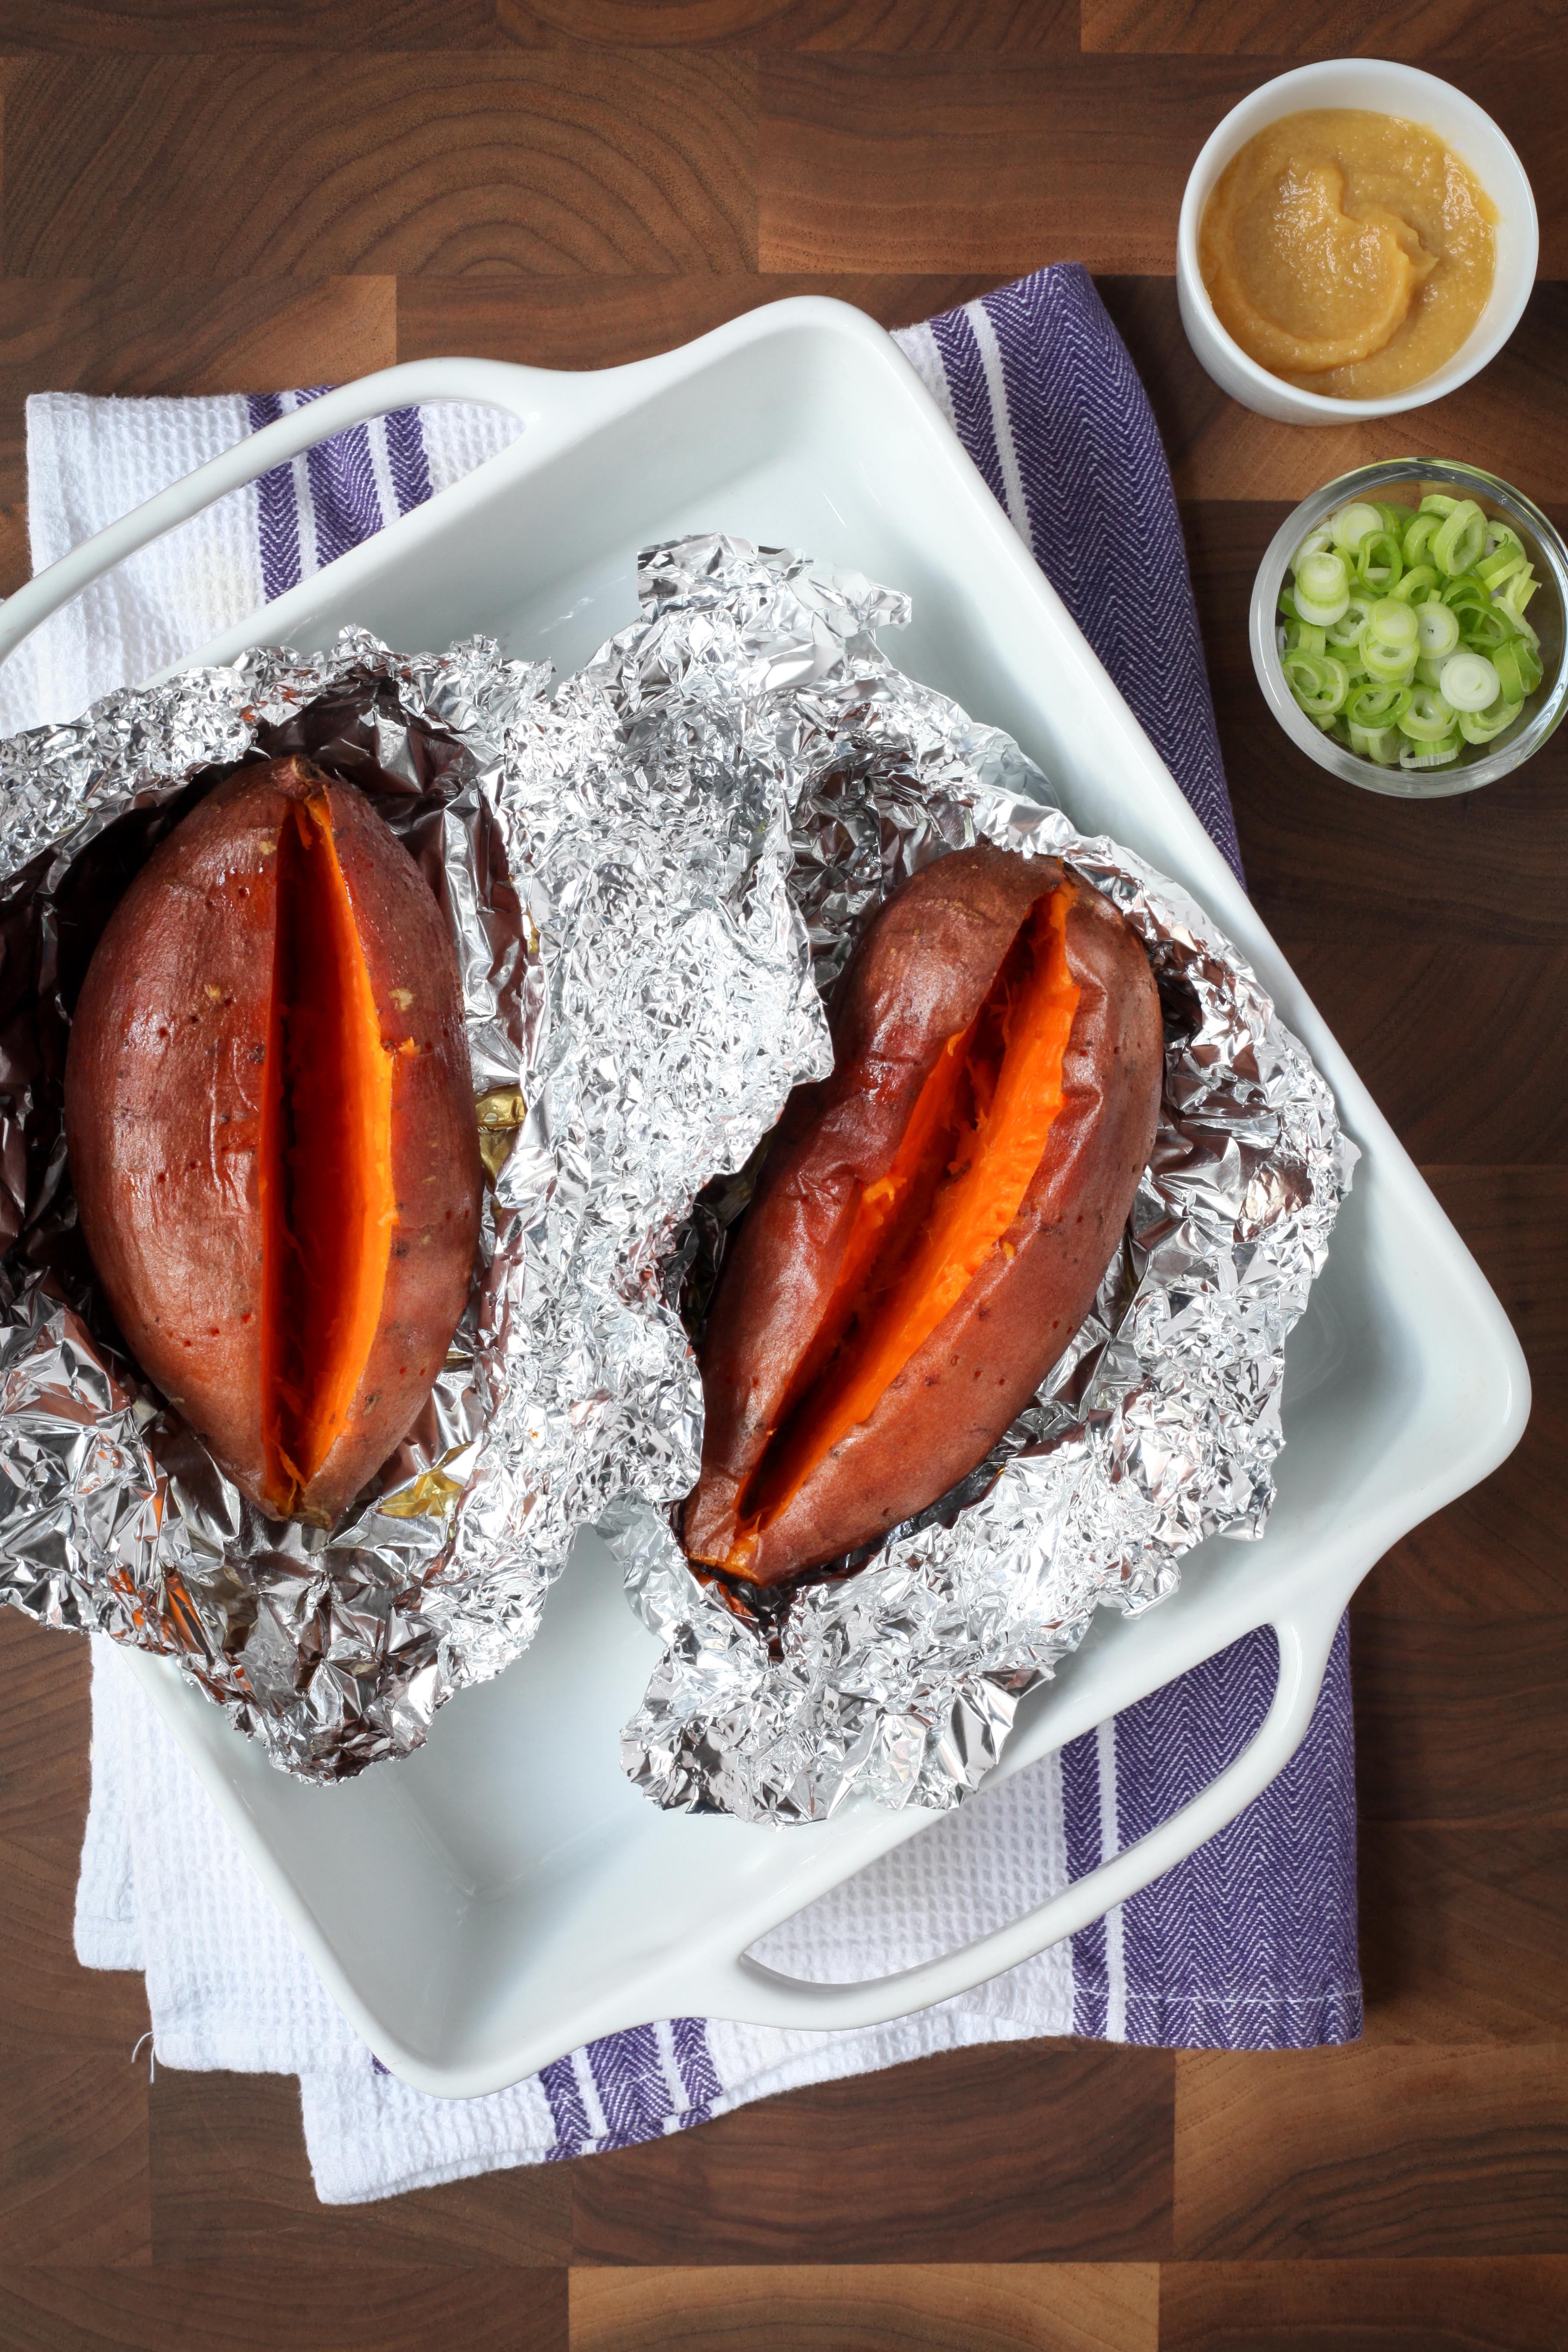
<point x="1378" y="562"/>
<point x="1318" y="682"/>
<point x="1428" y="718"/>
<point x="1430" y="755"/>
<point x="1349" y="525"/>
<point x="1461" y="540"/>
<point x="1323" y="588"/>
<point x="1403" y="634"/>
<point x="1469" y="682"/>
<point x="1484" y="726"/>
<point x="1436" y="629"/>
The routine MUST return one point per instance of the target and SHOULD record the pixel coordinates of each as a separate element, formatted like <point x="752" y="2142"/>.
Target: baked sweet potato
<point x="269" y="1117"/>
<point x="934" y="1220"/>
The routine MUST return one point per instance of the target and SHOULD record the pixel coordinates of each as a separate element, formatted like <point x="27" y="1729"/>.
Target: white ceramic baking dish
<point x="505" y="1896"/>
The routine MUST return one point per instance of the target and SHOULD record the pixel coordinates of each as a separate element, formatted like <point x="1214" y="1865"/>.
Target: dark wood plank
<point x="182" y="25"/>
<point x="1414" y="30"/>
<point x="1508" y="419"/>
<point x="968" y="162"/>
<point x="51" y="2004"/>
<point x="1442" y="2307"/>
<point x="1460" y="1718"/>
<point x="986" y="26"/>
<point x="548" y="161"/>
<point x="1370" y="2151"/>
<point x="1500" y="1546"/>
<point x="902" y="2307"/>
<point x="603" y="322"/>
<point x="914" y="2165"/>
<point x="253" y="2306"/>
<point x="74" y="2184"/>
<point x="231" y="2182"/>
<point x="1379" y="997"/>
<point x="1464" y="1929"/>
<point x="1515" y="1222"/>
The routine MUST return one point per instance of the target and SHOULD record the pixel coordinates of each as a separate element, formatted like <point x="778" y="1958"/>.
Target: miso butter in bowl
<point x="1368" y="86"/>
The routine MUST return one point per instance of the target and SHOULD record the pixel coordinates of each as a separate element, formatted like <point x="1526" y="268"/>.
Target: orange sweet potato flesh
<point x="934" y="1220"/>
<point x="270" y="1123"/>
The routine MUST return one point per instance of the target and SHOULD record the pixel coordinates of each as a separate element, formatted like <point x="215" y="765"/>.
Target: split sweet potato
<point x="934" y="1220"/>
<point x="270" y="1123"/>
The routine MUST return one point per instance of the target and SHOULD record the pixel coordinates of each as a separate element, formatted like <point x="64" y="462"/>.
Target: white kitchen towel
<point x="1249" y="1944"/>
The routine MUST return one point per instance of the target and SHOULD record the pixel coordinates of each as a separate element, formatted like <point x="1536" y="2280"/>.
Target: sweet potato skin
<point x="920" y="973"/>
<point x="164" y="1098"/>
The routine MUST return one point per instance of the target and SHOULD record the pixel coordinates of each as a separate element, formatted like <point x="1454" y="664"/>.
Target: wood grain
<point x="1459" y="1719"/>
<point x="1377" y="2306"/>
<point x="1507" y="419"/>
<point x="903" y="2307"/>
<point x="1500" y="1546"/>
<point x="241" y="2306"/>
<point x="1416" y="30"/>
<point x="972" y="162"/>
<point x="231" y="2181"/>
<point x="335" y="26"/>
<point x="74" y="2179"/>
<point x="1465" y="1929"/>
<point x="1080" y="2172"/>
<point x="51" y="2003"/>
<point x="1371" y="2151"/>
<point x="990" y="27"/>
<point x="547" y="162"/>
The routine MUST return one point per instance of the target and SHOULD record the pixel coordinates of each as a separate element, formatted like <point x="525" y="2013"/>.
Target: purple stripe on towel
<point x="344" y="497"/>
<point x="278" y="514"/>
<point x="689" y="2037"/>
<point x="563" y="2094"/>
<point x="1084" y="1837"/>
<point x="971" y="412"/>
<point x="406" y="457"/>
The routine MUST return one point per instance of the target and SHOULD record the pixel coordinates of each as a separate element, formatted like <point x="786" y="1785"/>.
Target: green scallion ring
<point x="1318" y="682"/>
<point x="1349" y="524"/>
<point x="1436" y="629"/>
<point x="1428" y="718"/>
<point x="1486" y="726"/>
<point x="1462" y="540"/>
<point x="1378" y="562"/>
<point x="1431" y="755"/>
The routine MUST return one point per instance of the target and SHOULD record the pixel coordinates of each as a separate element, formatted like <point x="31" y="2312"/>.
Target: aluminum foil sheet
<point x="637" y="984"/>
<point x="653" y="871"/>
<point x="901" y="1674"/>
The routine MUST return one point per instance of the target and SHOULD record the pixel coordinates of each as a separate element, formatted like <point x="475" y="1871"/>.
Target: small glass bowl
<point x="1480" y="764"/>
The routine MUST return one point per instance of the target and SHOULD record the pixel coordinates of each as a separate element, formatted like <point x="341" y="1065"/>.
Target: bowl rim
<point x="1327" y="751"/>
<point x="1317" y="407"/>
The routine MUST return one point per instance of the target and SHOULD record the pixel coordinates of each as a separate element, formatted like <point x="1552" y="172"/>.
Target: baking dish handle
<point x="525" y="393"/>
<point x="749" y="1991"/>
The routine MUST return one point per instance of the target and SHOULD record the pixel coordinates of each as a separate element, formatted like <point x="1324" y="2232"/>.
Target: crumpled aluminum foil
<point x="649" y="873"/>
<point x="1157" y="1428"/>
<point x="639" y="1002"/>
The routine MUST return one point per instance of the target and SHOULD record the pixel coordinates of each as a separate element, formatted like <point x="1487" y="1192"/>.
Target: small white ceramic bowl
<point x="1378" y="88"/>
